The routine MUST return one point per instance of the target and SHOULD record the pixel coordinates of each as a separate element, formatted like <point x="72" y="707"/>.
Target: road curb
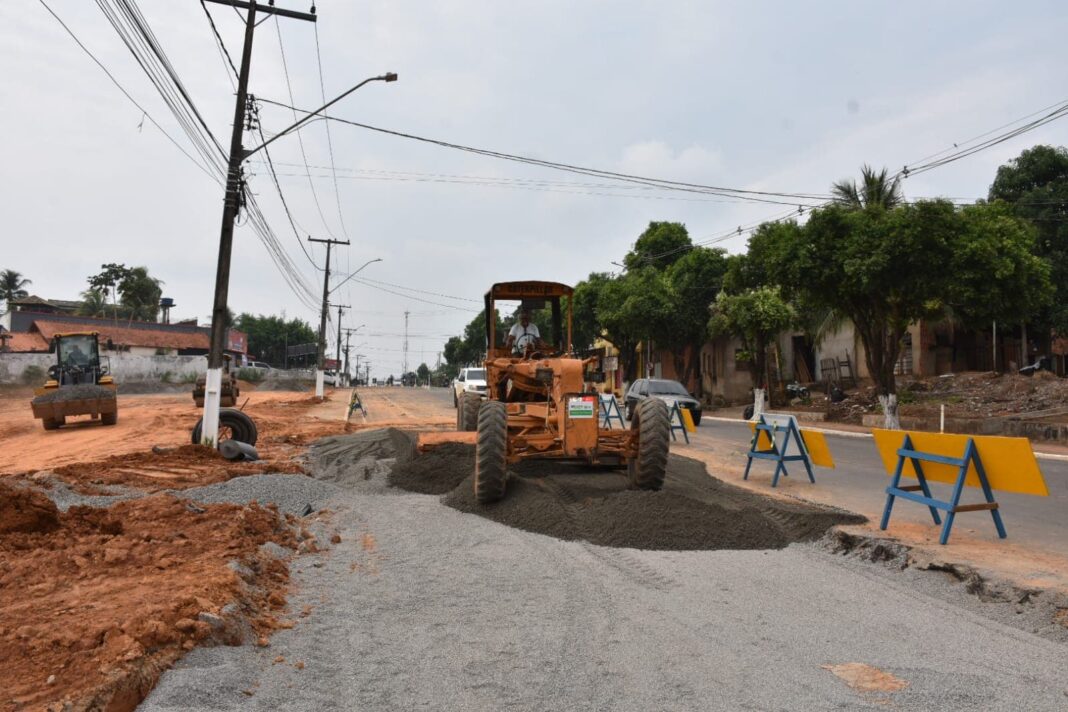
<point x="850" y="434"/>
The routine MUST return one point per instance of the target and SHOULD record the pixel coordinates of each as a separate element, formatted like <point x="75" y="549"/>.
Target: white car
<point x="470" y="380"/>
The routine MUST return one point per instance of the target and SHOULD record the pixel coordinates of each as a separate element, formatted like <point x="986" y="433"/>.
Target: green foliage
<point x="252" y="375"/>
<point x="659" y="246"/>
<point x="133" y="288"/>
<point x="875" y="190"/>
<point x="33" y="375"/>
<point x="268" y="336"/>
<point x="755" y="317"/>
<point x="585" y="325"/>
<point x="167" y="377"/>
<point x="94" y="303"/>
<point x="423" y="372"/>
<point x="12" y="285"/>
<point x="1035" y="184"/>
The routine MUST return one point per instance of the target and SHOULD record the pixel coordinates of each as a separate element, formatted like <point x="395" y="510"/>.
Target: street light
<point x="237" y="155"/>
<point x="336" y="286"/>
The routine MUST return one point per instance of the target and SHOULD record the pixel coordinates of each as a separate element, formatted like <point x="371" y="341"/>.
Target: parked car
<point x="470" y="380"/>
<point x="333" y="378"/>
<point x="259" y="364"/>
<point x="665" y="390"/>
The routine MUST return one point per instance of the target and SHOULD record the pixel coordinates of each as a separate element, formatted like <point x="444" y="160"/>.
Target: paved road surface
<point x="423" y="607"/>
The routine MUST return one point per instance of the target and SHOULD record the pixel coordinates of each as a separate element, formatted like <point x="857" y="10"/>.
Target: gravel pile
<point x="293" y="494"/>
<point x="65" y="498"/>
<point x="83" y="391"/>
<point x="360" y="460"/>
<point x="692" y="512"/>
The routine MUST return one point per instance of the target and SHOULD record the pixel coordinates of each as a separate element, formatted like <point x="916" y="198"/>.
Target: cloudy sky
<point x="779" y="96"/>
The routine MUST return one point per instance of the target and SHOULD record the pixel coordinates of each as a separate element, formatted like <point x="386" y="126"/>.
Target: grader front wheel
<point x="652" y="422"/>
<point x="467" y="411"/>
<point x="491" y="452"/>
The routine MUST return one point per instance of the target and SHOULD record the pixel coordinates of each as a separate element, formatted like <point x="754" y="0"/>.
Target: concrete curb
<point x="849" y="434"/>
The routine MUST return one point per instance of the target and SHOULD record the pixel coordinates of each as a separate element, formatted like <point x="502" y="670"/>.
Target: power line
<point x="329" y="140"/>
<point x="593" y="172"/>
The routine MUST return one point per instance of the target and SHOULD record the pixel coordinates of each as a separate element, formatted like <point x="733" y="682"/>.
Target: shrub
<point x="253" y="375"/>
<point x="33" y="375"/>
<point x="166" y="377"/>
<point x="190" y="377"/>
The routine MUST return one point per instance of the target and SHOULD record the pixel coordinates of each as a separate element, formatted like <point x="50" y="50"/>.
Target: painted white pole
<point x="942" y="420"/>
<point x="209" y="432"/>
<point x="318" y="383"/>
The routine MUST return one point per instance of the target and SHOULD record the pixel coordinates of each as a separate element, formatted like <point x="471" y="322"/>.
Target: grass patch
<point x="33" y="375"/>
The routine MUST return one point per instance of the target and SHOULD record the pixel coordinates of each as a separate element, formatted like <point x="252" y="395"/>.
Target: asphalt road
<point x="423" y="607"/>
<point x="858" y="483"/>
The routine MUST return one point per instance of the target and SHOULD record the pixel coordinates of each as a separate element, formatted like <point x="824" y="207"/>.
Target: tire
<point x="696" y="415"/>
<point x="747" y="414"/>
<point x="648" y="470"/>
<point x="455" y="400"/>
<point x="109" y="418"/>
<point x="467" y="412"/>
<point x="630" y="411"/>
<point x="491" y="452"/>
<point x="242" y="428"/>
<point x="50" y="423"/>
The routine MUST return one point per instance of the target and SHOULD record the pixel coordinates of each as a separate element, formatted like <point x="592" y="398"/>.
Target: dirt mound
<point x="165" y="468"/>
<point x="92" y="611"/>
<point x="692" y="512"/>
<point x="26" y="510"/>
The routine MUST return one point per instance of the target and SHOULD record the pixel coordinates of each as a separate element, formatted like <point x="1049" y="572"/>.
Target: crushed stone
<point x="292" y="494"/>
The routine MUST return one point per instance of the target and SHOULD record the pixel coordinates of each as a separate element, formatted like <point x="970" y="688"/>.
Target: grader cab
<point x="538" y="405"/>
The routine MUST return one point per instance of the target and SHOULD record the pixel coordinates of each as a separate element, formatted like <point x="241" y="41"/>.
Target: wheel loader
<point x="78" y="383"/>
<point x="539" y="407"/>
<point x="227" y="394"/>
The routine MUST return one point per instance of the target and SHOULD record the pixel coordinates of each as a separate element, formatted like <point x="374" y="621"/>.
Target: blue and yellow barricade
<point x="354" y="405"/>
<point x="680" y="419"/>
<point x="984" y="461"/>
<point x="610" y="412"/>
<point x="805" y="446"/>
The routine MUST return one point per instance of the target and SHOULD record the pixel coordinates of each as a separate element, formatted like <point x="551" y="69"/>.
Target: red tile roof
<point x="121" y="336"/>
<point x="23" y="343"/>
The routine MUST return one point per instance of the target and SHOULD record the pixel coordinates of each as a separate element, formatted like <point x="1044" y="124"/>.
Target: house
<point x="32" y="329"/>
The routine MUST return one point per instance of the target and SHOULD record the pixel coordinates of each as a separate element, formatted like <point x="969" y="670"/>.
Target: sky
<point x="779" y="96"/>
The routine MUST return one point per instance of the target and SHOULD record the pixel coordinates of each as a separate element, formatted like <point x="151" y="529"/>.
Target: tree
<point x="633" y="308"/>
<point x="423" y="372"/>
<point x="875" y="190"/>
<point x="12" y="285"/>
<point x="94" y="303"/>
<point x="140" y="293"/>
<point x="659" y="246"/>
<point x="885" y="269"/>
<point x="693" y="281"/>
<point x="1035" y="185"/>
<point x="756" y="317"/>
<point x="268" y="336"/>
<point x="585" y="324"/>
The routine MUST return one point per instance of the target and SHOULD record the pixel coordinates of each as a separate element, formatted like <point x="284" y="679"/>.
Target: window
<point x="476" y="374"/>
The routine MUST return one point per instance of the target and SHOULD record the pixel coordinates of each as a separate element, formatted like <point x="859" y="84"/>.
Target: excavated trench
<point x="692" y="512"/>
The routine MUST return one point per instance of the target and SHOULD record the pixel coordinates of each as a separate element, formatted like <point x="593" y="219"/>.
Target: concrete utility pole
<point x="404" y="372"/>
<point x="322" y="315"/>
<point x="231" y="205"/>
<point x="338" y="373"/>
<point x="349" y="333"/>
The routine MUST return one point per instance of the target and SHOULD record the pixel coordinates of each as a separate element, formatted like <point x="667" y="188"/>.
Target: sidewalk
<point x="1049" y="451"/>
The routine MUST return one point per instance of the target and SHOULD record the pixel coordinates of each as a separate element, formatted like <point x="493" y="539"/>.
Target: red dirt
<point x="95" y="604"/>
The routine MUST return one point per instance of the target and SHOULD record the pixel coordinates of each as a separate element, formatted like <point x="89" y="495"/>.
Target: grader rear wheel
<point x="648" y="469"/>
<point x="491" y="452"/>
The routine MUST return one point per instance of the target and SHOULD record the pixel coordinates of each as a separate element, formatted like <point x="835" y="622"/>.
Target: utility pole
<point x="322" y="315"/>
<point x="404" y="374"/>
<point x="348" y="334"/>
<point x="338" y="373"/>
<point x="231" y="205"/>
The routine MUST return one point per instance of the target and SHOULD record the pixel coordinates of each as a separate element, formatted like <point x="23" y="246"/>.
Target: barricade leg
<point x="779" y="467"/>
<point x="953" y="502"/>
<point x="748" y="464"/>
<point x="989" y="495"/>
<point x="894" y="482"/>
<point x="926" y="490"/>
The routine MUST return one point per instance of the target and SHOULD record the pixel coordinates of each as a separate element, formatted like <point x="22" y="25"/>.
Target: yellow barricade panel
<point x="687" y="420"/>
<point x="818" y="451"/>
<point x="1010" y="463"/>
<point x="765" y="442"/>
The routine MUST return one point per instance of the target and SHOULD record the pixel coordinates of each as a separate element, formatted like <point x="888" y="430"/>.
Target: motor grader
<point x="78" y="384"/>
<point x="539" y="407"/>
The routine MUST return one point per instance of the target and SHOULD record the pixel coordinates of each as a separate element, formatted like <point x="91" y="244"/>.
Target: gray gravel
<point x="424" y="607"/>
<point x="65" y="498"/>
<point x="293" y="494"/>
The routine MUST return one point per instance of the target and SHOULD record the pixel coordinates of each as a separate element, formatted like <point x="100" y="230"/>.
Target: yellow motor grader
<point x="538" y="405"/>
<point x="78" y="384"/>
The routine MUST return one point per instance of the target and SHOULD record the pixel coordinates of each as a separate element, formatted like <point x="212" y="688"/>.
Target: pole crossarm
<point x="269" y="9"/>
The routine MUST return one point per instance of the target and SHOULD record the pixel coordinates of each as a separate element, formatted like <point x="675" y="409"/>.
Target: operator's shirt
<point x="523" y="335"/>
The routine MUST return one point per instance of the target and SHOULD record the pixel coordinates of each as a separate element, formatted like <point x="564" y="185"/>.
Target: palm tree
<point x="875" y="190"/>
<point x="94" y="303"/>
<point x="12" y="285"/>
